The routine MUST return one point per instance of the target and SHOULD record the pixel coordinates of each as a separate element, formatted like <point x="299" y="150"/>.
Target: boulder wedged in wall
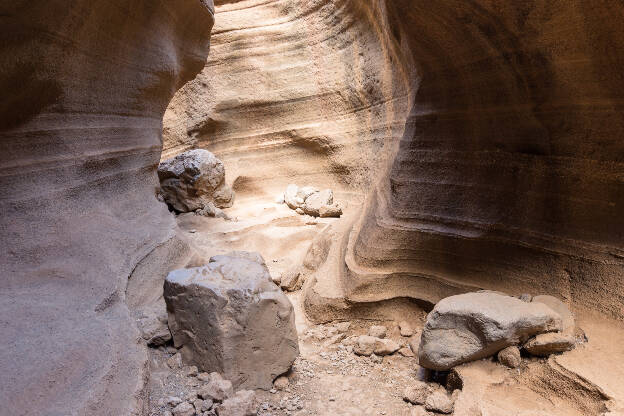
<point x="85" y="85"/>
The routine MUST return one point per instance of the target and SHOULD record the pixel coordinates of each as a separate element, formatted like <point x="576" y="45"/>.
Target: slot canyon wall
<point x="294" y="91"/>
<point x="508" y="172"/>
<point x="85" y="84"/>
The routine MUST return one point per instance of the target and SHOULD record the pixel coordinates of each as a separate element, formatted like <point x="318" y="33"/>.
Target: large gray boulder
<point x="229" y="317"/>
<point x="190" y="180"/>
<point x="476" y="325"/>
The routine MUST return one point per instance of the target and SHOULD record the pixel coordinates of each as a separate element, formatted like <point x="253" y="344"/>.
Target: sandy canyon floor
<point x="329" y="379"/>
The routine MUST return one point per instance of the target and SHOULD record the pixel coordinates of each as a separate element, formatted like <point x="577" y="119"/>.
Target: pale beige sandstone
<point x="84" y="88"/>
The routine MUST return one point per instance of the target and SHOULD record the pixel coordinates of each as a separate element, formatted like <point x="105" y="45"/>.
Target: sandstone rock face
<point x="471" y="326"/>
<point x="512" y="187"/>
<point x="229" y="317"/>
<point x="84" y="85"/>
<point x="193" y="179"/>
<point x="296" y="91"/>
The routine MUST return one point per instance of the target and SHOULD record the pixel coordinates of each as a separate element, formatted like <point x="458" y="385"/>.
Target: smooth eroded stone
<point x="472" y="326"/>
<point x="543" y="345"/>
<point x="316" y="200"/>
<point x="229" y="317"/>
<point x="192" y="179"/>
<point x="385" y="346"/>
<point x="510" y="356"/>
<point x="290" y="196"/>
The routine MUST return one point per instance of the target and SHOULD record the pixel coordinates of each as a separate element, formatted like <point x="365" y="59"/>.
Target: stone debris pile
<point x="311" y="201"/>
<point x="482" y="324"/>
<point x="214" y="396"/>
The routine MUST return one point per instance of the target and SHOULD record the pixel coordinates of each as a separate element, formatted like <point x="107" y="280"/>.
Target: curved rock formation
<point x="510" y="172"/>
<point x="294" y="91"/>
<point x="85" y="85"/>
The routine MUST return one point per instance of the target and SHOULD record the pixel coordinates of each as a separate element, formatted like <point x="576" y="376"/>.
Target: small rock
<point x="406" y="329"/>
<point x="175" y="361"/>
<point x="378" y="331"/>
<point x="316" y="200"/>
<point x="365" y="345"/>
<point x="417" y="393"/>
<point x="510" y="356"/>
<point x="207" y="405"/>
<point x="333" y="340"/>
<point x="281" y="383"/>
<point x="184" y="409"/>
<point x="198" y="404"/>
<point x="330" y="211"/>
<point x="167" y="413"/>
<point x="543" y="345"/>
<point x="440" y="402"/>
<point x="241" y="404"/>
<point x="299" y="211"/>
<point x="406" y="352"/>
<point x="217" y="388"/>
<point x="291" y="280"/>
<point x="306" y="191"/>
<point x="386" y="347"/>
<point x="203" y="377"/>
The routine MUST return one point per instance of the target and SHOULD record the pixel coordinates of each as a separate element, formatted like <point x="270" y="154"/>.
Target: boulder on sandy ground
<point x="440" y="402"/>
<point x="543" y="345"/>
<point x="472" y="326"/>
<point x="510" y="356"/>
<point x="316" y="200"/>
<point x="330" y="211"/>
<point x="243" y="403"/>
<point x="191" y="179"/>
<point x="228" y="316"/>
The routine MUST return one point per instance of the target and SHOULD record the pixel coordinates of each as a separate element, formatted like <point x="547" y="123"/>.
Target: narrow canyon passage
<point x="344" y="170"/>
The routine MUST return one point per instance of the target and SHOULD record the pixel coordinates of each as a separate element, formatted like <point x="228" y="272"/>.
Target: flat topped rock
<point x="229" y="317"/>
<point x="476" y="325"/>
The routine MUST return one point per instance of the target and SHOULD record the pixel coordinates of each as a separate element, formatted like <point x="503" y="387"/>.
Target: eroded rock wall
<point x="85" y="84"/>
<point x="510" y="172"/>
<point x="300" y="91"/>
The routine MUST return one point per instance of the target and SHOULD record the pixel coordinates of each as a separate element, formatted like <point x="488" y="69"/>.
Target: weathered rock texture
<point x="471" y="326"/>
<point x="509" y="172"/>
<point x="229" y="317"/>
<point x="300" y="91"/>
<point x="84" y="88"/>
<point x="194" y="180"/>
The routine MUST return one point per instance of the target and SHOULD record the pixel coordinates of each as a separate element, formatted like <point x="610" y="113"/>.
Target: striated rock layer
<point x="294" y="91"/>
<point x="85" y="85"/>
<point x="510" y="174"/>
<point x="509" y="169"/>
